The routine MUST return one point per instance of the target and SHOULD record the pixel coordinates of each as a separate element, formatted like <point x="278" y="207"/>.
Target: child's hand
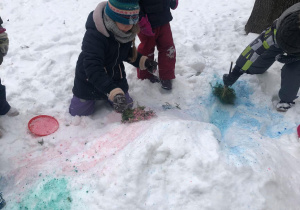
<point x="151" y="66"/>
<point x="118" y="100"/>
<point x="3" y="43"/>
<point x="286" y="58"/>
<point x="119" y="103"/>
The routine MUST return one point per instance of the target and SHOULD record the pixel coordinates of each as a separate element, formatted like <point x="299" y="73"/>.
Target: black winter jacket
<point x="158" y="11"/>
<point x="100" y="67"/>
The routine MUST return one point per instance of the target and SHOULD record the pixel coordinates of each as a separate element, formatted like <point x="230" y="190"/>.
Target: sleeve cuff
<point x="142" y="62"/>
<point x="115" y="92"/>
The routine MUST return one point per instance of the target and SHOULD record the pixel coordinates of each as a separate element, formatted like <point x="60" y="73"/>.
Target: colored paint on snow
<point x="54" y="194"/>
<point x="221" y="119"/>
<point x="248" y="116"/>
<point x="237" y="123"/>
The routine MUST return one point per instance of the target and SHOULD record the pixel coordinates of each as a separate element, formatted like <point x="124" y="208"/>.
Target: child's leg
<point x="4" y="106"/>
<point x="290" y="82"/>
<point x="146" y="48"/>
<point x="81" y="107"/>
<point x="166" y="53"/>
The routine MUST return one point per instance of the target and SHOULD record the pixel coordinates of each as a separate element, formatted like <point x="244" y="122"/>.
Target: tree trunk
<point x="265" y="12"/>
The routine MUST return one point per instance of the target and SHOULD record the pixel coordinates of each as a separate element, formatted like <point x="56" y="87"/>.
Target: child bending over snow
<point x="108" y="41"/>
<point x="280" y="42"/>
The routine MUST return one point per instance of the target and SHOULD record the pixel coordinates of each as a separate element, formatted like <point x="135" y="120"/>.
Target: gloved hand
<point x="173" y="4"/>
<point x="4" y="43"/>
<point x="232" y="77"/>
<point x="286" y="58"/>
<point x="119" y="103"/>
<point x="145" y="26"/>
<point x="229" y="79"/>
<point x="151" y="66"/>
<point x="118" y="100"/>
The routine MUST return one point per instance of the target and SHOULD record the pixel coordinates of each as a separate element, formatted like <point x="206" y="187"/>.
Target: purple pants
<point x="83" y="107"/>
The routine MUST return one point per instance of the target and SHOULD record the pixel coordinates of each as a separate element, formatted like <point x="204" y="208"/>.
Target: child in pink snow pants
<point x="155" y="16"/>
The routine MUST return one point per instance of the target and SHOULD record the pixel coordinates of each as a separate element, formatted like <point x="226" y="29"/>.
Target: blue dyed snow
<point x="242" y="125"/>
<point x="246" y="115"/>
<point x="221" y="119"/>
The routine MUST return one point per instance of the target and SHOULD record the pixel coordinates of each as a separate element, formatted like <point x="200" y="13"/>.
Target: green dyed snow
<point x="54" y="194"/>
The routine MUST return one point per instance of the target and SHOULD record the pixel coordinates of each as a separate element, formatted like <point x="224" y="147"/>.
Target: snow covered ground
<point x="204" y="155"/>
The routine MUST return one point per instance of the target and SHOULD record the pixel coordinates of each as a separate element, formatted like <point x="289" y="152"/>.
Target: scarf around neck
<point x="119" y="35"/>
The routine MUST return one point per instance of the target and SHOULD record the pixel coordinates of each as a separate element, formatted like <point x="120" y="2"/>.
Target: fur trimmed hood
<point x="98" y="18"/>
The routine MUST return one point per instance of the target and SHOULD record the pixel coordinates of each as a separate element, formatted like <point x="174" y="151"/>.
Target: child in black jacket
<point x="109" y="40"/>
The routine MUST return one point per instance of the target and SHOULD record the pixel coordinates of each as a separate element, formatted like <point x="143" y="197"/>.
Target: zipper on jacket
<point x="121" y="72"/>
<point x="116" y="59"/>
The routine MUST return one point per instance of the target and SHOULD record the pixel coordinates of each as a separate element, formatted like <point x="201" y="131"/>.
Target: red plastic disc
<point x="298" y="131"/>
<point x="43" y="125"/>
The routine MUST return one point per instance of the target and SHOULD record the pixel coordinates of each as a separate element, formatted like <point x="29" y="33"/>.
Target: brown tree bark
<point x="265" y="12"/>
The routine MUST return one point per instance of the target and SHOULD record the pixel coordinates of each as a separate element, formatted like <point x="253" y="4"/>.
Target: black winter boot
<point x="166" y="84"/>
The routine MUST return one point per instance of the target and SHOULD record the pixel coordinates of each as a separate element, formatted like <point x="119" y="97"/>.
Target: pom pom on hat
<point x="123" y="11"/>
<point x="288" y="34"/>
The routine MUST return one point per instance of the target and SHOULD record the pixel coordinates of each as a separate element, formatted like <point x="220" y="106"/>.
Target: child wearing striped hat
<point x="109" y="40"/>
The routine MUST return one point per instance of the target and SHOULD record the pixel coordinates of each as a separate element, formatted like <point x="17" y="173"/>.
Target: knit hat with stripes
<point x="123" y="11"/>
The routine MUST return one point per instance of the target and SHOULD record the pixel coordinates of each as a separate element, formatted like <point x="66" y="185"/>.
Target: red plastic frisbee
<point x="298" y="131"/>
<point x="43" y="125"/>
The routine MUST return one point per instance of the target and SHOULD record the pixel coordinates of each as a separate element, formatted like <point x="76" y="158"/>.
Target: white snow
<point x="203" y="156"/>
